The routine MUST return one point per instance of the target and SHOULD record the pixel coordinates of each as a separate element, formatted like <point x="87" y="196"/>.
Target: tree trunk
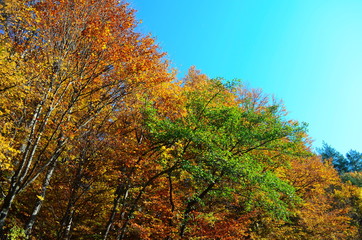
<point x="6" y="206"/>
<point x="67" y="220"/>
<point x="191" y="206"/>
<point x="119" y="192"/>
<point x="123" y="229"/>
<point x="40" y="199"/>
<point x="67" y="224"/>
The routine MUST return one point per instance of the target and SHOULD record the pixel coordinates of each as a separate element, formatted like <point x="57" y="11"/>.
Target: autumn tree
<point x="77" y="61"/>
<point x="323" y="212"/>
<point x="98" y="140"/>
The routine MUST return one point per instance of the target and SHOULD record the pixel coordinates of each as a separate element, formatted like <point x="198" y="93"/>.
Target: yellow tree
<point x="78" y="60"/>
<point x="320" y="214"/>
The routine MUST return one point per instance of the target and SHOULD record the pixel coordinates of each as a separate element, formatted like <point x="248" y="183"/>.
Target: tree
<point x="354" y="159"/>
<point x="352" y="162"/>
<point x="321" y="214"/>
<point x="78" y="60"/>
<point x="338" y="160"/>
<point x="99" y="141"/>
<point x="227" y="147"/>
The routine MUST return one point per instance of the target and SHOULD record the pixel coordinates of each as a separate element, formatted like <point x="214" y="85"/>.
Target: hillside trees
<point x="99" y="141"/>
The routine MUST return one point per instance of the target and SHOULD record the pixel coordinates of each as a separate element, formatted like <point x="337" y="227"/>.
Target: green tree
<point x="352" y="162"/>
<point x="338" y="160"/>
<point x="228" y="144"/>
<point x="354" y="159"/>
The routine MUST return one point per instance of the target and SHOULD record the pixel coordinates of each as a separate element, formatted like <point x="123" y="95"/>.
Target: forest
<point x="99" y="139"/>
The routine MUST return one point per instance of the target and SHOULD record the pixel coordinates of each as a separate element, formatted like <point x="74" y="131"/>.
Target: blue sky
<point x="306" y="52"/>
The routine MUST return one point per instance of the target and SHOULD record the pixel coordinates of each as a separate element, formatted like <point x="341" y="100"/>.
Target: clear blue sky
<point x="306" y="52"/>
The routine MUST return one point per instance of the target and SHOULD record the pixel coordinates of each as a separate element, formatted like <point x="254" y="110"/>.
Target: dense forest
<point x="100" y="140"/>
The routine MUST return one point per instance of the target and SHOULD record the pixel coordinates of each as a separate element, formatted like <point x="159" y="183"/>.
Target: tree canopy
<point x="100" y="140"/>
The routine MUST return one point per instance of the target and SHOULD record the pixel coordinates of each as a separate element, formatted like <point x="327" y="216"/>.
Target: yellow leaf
<point x="40" y="197"/>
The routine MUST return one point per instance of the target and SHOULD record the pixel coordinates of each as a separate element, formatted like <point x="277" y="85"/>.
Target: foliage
<point x="353" y="177"/>
<point x="98" y="140"/>
<point x="352" y="162"/>
<point x="16" y="233"/>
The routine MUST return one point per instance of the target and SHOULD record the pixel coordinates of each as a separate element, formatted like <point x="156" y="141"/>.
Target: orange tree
<point x="77" y="61"/>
